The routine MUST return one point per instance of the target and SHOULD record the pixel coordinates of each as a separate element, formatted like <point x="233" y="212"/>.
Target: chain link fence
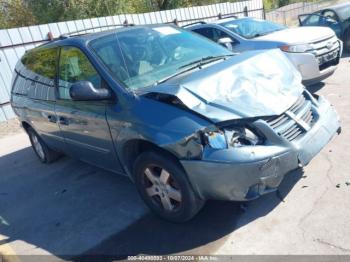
<point x="288" y="15"/>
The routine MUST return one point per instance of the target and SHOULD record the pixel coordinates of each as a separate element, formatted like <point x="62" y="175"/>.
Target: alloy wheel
<point x="161" y="187"/>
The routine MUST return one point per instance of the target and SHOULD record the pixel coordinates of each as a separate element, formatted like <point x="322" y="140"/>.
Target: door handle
<point x="52" y="119"/>
<point x="63" y="121"/>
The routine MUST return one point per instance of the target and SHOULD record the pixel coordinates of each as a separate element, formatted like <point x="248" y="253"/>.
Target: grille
<point x="296" y="121"/>
<point x="327" y="52"/>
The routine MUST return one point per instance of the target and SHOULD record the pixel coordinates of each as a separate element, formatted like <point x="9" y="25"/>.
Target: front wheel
<point x="164" y="186"/>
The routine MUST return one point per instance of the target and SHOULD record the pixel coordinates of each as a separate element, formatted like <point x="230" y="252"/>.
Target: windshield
<point x="144" y="56"/>
<point x="251" y="27"/>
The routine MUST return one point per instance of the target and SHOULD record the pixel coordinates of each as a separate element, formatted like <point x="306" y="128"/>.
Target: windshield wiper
<point x="173" y="75"/>
<point x="188" y="66"/>
<point x="205" y="60"/>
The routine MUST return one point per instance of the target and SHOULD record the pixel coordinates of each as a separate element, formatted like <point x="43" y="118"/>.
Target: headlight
<point x="242" y="137"/>
<point x="216" y="139"/>
<point x="233" y="137"/>
<point x="302" y="48"/>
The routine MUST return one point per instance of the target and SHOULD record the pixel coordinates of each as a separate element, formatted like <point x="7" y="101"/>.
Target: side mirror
<point x="85" y="91"/>
<point x="226" y="42"/>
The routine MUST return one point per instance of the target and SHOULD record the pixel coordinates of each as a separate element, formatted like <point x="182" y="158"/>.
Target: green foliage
<point x="48" y="11"/>
<point x="15" y="13"/>
<point x="270" y="4"/>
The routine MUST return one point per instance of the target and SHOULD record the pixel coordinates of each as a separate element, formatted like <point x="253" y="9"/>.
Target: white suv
<point x="314" y="51"/>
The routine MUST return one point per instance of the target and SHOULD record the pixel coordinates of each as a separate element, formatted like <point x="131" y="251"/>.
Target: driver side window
<point x="74" y="66"/>
<point x="208" y="32"/>
<point x="221" y="34"/>
<point x="213" y="33"/>
<point x="312" y="20"/>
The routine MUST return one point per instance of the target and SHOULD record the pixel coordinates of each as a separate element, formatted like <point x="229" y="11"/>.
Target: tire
<point x="346" y="40"/>
<point x="44" y="153"/>
<point x="163" y="185"/>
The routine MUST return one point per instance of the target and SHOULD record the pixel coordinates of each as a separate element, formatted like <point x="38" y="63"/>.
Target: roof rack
<point x="85" y="31"/>
<point x="221" y="16"/>
<point x="199" y="22"/>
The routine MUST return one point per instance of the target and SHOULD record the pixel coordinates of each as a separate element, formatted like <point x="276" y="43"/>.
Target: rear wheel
<point x="164" y="187"/>
<point x="44" y="153"/>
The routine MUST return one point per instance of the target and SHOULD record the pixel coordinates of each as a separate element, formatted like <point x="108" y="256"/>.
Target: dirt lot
<point x="68" y="208"/>
<point x="9" y="128"/>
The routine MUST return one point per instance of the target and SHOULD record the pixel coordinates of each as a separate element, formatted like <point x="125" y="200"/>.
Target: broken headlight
<point x="242" y="136"/>
<point x="233" y="137"/>
<point x="215" y="139"/>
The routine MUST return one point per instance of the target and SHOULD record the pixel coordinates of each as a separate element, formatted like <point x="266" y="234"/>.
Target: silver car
<point x="314" y="51"/>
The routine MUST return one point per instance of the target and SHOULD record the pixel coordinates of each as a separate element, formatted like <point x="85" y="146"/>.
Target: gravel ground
<point x="9" y="128"/>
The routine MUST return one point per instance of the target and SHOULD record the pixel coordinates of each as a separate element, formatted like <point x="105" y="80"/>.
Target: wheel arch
<point x="134" y="147"/>
<point x="25" y="125"/>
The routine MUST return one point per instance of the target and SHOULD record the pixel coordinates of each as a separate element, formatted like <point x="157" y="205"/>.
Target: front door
<point x="83" y="123"/>
<point x="327" y="19"/>
<point x="333" y="21"/>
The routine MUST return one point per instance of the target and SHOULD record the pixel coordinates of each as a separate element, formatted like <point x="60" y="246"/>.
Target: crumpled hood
<point x="252" y="84"/>
<point x="298" y="35"/>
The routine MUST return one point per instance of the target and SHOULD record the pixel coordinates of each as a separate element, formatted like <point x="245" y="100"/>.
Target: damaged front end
<point x="242" y="160"/>
<point x="264" y="124"/>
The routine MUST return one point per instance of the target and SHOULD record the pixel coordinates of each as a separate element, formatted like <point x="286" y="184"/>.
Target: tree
<point x="15" y="13"/>
<point x="156" y="5"/>
<point x="48" y="11"/>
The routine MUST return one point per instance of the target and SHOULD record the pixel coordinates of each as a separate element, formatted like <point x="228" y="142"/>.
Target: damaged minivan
<point x="183" y="117"/>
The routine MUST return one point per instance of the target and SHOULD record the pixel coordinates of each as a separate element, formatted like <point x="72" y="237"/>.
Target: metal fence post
<point x="245" y="11"/>
<point x="264" y="12"/>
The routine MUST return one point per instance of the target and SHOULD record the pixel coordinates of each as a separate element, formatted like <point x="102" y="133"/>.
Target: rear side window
<point x="206" y="31"/>
<point x="74" y="66"/>
<point x="213" y="33"/>
<point x="42" y="62"/>
<point x="38" y="74"/>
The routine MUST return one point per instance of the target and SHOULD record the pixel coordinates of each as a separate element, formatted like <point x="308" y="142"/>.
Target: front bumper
<point x="245" y="173"/>
<point x="309" y="67"/>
